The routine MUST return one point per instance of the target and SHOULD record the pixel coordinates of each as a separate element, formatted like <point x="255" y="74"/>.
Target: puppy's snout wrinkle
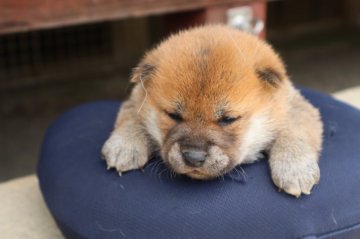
<point x="194" y="157"/>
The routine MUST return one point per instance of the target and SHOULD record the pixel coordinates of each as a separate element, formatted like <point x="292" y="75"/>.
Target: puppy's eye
<point x="226" y="120"/>
<point x="175" y="116"/>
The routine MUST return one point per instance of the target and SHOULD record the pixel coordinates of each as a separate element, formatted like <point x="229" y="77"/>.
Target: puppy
<point x="211" y="98"/>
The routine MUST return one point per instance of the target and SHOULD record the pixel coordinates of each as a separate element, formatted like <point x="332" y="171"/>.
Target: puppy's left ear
<point x="142" y="72"/>
<point x="270" y="76"/>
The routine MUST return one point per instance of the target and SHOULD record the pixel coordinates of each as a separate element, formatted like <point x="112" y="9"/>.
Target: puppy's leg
<point x="294" y="155"/>
<point x="128" y="146"/>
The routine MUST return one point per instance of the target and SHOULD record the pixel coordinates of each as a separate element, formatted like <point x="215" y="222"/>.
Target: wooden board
<point x="24" y="15"/>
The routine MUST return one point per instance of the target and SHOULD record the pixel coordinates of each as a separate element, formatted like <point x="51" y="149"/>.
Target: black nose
<point x="194" y="157"/>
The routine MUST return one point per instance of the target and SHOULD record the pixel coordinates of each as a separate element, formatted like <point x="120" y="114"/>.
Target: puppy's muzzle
<point x="194" y="157"/>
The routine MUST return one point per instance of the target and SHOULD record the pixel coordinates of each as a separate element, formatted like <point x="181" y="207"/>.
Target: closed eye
<point x="226" y="120"/>
<point x="175" y="116"/>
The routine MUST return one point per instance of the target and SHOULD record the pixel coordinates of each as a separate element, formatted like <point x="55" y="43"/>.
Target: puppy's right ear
<point x="142" y="72"/>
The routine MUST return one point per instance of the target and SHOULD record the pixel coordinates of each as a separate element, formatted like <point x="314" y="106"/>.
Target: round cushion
<point x="88" y="201"/>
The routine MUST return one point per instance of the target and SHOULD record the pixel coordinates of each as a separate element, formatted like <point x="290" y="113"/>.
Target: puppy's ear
<point x="269" y="76"/>
<point x="142" y="72"/>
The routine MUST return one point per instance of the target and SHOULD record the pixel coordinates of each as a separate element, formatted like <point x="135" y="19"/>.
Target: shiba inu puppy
<point x="211" y="98"/>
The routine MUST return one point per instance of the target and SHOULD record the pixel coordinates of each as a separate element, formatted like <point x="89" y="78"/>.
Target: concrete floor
<point x="27" y="113"/>
<point x="326" y="62"/>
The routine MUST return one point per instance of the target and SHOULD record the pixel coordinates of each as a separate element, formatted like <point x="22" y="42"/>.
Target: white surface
<point x="23" y="214"/>
<point x="350" y="96"/>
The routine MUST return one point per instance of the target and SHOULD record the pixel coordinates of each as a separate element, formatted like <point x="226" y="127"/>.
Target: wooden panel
<point x="259" y="9"/>
<point x="22" y="15"/>
<point x="213" y="14"/>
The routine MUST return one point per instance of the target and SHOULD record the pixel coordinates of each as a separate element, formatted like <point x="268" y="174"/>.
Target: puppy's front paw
<point x="125" y="153"/>
<point x="295" y="176"/>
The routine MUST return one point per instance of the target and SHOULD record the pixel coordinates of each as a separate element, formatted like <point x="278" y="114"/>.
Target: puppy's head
<point x="212" y="97"/>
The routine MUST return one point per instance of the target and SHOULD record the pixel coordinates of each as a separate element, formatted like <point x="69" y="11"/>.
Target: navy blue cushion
<point x="87" y="201"/>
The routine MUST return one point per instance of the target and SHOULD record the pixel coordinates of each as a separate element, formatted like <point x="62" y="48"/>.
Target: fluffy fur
<point x="211" y="98"/>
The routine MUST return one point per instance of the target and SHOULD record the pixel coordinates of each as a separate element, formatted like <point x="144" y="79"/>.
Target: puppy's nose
<point x="194" y="157"/>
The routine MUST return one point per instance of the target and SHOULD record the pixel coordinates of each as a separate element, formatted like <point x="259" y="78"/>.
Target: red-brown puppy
<point x="212" y="98"/>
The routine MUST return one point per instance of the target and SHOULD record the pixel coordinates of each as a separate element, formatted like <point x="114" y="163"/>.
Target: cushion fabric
<point x="88" y="201"/>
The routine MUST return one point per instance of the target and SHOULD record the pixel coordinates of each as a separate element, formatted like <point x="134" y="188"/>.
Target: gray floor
<point x="327" y="62"/>
<point x="32" y="110"/>
<point x="324" y="62"/>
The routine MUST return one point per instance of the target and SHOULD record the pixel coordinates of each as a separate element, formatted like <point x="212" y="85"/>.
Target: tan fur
<point x="205" y="74"/>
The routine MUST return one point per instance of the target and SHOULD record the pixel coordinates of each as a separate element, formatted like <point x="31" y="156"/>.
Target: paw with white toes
<point x="125" y="152"/>
<point x="295" y="176"/>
